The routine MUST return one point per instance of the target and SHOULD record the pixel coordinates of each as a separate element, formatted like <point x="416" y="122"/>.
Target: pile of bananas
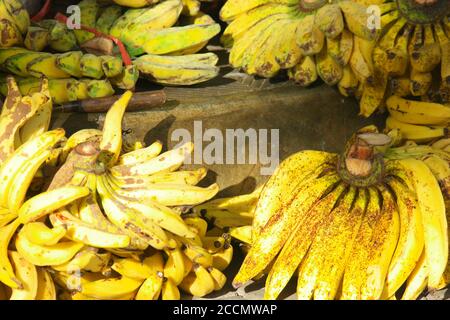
<point x="334" y="40"/>
<point x="168" y="54"/>
<point x="368" y="224"/>
<point x="92" y="217"/>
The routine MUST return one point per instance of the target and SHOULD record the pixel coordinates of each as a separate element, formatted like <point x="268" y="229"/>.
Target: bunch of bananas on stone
<point x="164" y="53"/>
<point x="345" y="43"/>
<point x="94" y="217"/>
<point x="368" y="224"/>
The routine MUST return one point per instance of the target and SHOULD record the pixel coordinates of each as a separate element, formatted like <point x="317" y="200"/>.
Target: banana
<point x="111" y="143"/>
<point x="309" y="275"/>
<point x="287" y="54"/>
<point x="191" y="7"/>
<point x="373" y="95"/>
<point x="27" y="274"/>
<point x="87" y="259"/>
<point x="200" y="225"/>
<point x="40" y="122"/>
<point x="17" y="64"/>
<point x="348" y="84"/>
<point x="441" y="170"/>
<point x="420" y="82"/>
<point x="152" y="286"/>
<point x="131" y="268"/>
<point x="298" y="241"/>
<point x="107" y="18"/>
<point x="111" y="288"/>
<point x="174" y="268"/>
<point x="166" y="162"/>
<point x="327" y="68"/>
<point x="243" y="234"/>
<point x="180" y="71"/>
<point x="37" y="39"/>
<point x="174" y="39"/>
<point x="244" y="44"/>
<point x="136" y="26"/>
<point x="23" y="179"/>
<point x="431" y="204"/>
<point x="329" y="20"/>
<point x="219" y="278"/>
<point x="91" y="66"/>
<point x="309" y="38"/>
<point x="21" y="157"/>
<point x="238" y="27"/>
<point x="61" y="38"/>
<point x="10" y="35"/>
<point x="127" y="78"/>
<point x="49" y="201"/>
<point x="400" y="86"/>
<point x="70" y="63"/>
<point x="46" y="287"/>
<point x="341" y="48"/>
<point x="134" y="3"/>
<point x="261" y="59"/>
<point x="169" y="291"/>
<point x="362" y="68"/>
<point x="111" y="66"/>
<point x="7" y="275"/>
<point x="417" y="112"/>
<point x="18" y="12"/>
<point x="77" y="138"/>
<point x="198" y="283"/>
<point x="265" y="244"/>
<point x="305" y="72"/>
<point x="444" y="44"/>
<point x="126" y="219"/>
<point x="390" y="54"/>
<point x="46" y="255"/>
<point x="46" y="66"/>
<point x="89" y="10"/>
<point x="159" y="214"/>
<point x="81" y="232"/>
<point x="222" y="259"/>
<point x="39" y="233"/>
<point x="6" y="53"/>
<point x="418" y="280"/>
<point x="6" y="218"/>
<point x="425" y="52"/>
<point x="141" y="155"/>
<point x="416" y="132"/>
<point x="357" y="17"/>
<point x="411" y="241"/>
<point x="233" y="8"/>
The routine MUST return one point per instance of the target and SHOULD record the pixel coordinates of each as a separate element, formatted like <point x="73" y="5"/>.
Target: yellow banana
<point x="309" y="38"/>
<point x="198" y="283"/>
<point x="46" y="287"/>
<point x="174" y="269"/>
<point x="305" y="72"/>
<point x="47" y="202"/>
<point x="329" y="20"/>
<point x="112" y="288"/>
<point x="46" y="255"/>
<point x="416" y="132"/>
<point x="222" y="259"/>
<point x="420" y="82"/>
<point x="219" y="278"/>
<point x="27" y="274"/>
<point x="169" y="291"/>
<point x="7" y="275"/>
<point x="327" y="68"/>
<point x="37" y="39"/>
<point x="431" y="204"/>
<point x="418" y="280"/>
<point x="39" y="233"/>
<point x="152" y="286"/>
<point x="111" y="142"/>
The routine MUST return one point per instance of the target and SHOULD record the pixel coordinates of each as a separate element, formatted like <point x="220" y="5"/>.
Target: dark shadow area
<point x="160" y="132"/>
<point x="76" y="122"/>
<point x="245" y="186"/>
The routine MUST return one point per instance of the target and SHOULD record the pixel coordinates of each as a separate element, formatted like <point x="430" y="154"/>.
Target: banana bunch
<point x="418" y="121"/>
<point x="344" y="44"/>
<point x="14" y="23"/>
<point x="361" y="225"/>
<point x="107" y="223"/>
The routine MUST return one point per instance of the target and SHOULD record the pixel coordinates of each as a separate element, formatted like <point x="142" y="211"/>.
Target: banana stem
<point x="362" y="164"/>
